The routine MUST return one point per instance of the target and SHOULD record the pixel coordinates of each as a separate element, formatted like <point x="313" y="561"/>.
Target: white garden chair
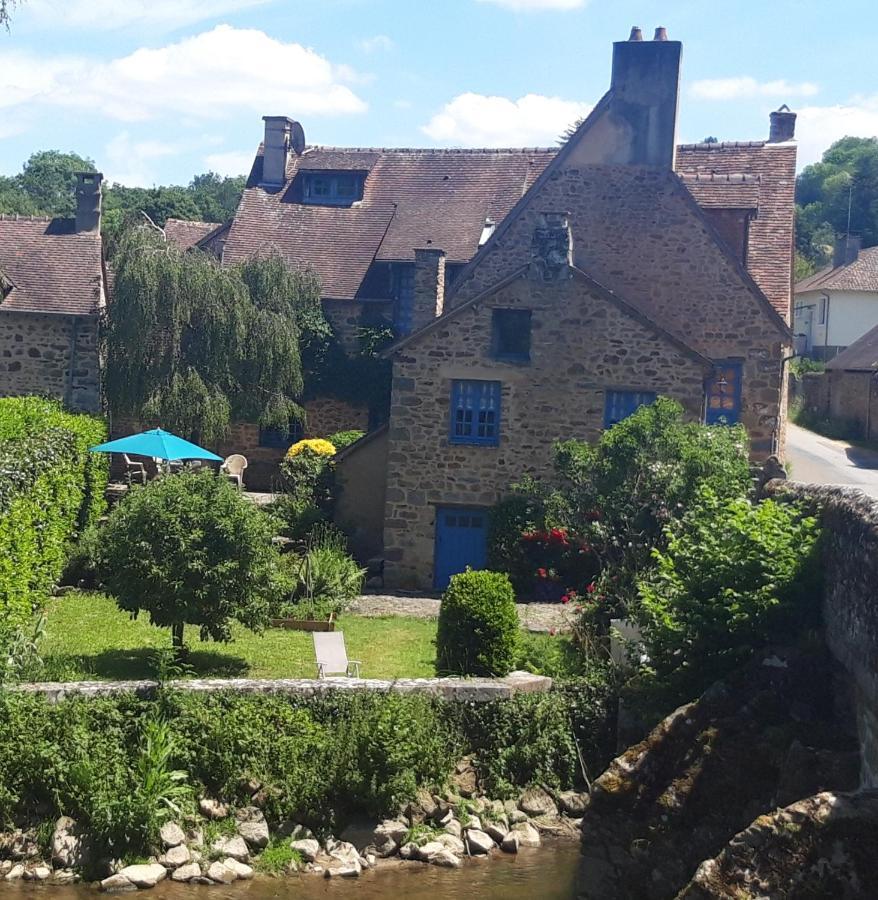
<point x="332" y="657"/>
<point x="233" y="469"/>
<point x="134" y="469"/>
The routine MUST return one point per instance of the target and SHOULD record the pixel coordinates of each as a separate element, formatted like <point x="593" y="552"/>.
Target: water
<point x="547" y="873"/>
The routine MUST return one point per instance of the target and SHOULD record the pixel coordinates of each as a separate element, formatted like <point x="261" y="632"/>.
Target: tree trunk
<point x="177" y="638"/>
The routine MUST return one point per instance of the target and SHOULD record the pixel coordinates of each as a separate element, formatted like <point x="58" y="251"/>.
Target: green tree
<point x="216" y="197"/>
<point x="189" y="549"/>
<point x="193" y="344"/>
<point x="49" y="178"/>
<point x="13" y="199"/>
<point x="839" y="192"/>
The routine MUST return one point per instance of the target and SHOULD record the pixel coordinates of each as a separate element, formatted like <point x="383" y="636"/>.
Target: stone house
<point x="838" y="305"/>
<point x="53" y="289"/>
<point x="631" y="268"/>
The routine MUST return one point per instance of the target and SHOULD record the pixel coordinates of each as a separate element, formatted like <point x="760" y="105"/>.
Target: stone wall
<point x="54" y="355"/>
<point x="581" y="344"/>
<point x="361" y="480"/>
<point x="850" y="610"/>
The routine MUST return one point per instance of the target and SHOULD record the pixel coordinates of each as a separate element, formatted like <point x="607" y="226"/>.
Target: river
<point x="547" y="873"/>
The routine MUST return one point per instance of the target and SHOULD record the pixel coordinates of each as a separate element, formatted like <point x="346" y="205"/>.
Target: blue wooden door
<point x="461" y="541"/>
<point x="723" y="394"/>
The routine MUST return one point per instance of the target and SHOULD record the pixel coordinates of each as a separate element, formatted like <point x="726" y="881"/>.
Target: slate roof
<point x="412" y="198"/>
<point x="770" y="235"/>
<point x="860" y="275"/>
<point x="187" y="234"/>
<point x="861" y="356"/>
<point x="52" y="269"/>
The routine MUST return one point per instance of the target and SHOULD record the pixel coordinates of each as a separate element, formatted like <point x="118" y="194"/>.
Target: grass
<point x="88" y="637"/>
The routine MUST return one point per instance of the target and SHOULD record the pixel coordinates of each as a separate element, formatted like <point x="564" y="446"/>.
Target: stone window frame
<point x="465" y="399"/>
<point x="497" y="351"/>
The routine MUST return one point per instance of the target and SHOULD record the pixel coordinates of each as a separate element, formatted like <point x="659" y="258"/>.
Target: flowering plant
<point x="560" y="562"/>
<point x="320" y="446"/>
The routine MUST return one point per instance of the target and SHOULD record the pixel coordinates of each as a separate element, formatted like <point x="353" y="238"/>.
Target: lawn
<point x="88" y="637"/>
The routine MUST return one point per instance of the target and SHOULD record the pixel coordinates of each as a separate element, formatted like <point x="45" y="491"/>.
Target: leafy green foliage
<point x="342" y="439"/>
<point x="51" y="487"/>
<point x="846" y="178"/>
<point x="194" y="344"/>
<point x="278" y="858"/>
<point x="190" y="549"/>
<point x="45" y="184"/>
<point x="478" y="625"/>
<point x="734" y="577"/>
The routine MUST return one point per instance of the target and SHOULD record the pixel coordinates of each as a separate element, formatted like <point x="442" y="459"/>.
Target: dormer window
<point x="332" y="188"/>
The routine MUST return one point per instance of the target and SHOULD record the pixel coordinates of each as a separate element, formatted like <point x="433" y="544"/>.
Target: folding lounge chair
<point x="332" y="657"/>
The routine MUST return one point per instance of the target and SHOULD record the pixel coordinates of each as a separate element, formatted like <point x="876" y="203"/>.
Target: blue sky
<point x="157" y="90"/>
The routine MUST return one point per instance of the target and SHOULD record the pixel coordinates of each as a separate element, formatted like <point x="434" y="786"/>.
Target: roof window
<point x="332" y="188"/>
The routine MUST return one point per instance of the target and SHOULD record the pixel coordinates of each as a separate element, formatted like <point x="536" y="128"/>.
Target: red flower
<point x="565" y="599"/>
<point x="553" y="631"/>
<point x="590" y="588"/>
<point x="541" y="573"/>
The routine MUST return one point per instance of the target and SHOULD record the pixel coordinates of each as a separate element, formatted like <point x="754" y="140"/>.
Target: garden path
<point x="533" y="616"/>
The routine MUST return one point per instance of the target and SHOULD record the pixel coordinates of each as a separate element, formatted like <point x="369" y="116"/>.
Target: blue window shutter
<point x="475" y="413"/>
<point x="619" y="405"/>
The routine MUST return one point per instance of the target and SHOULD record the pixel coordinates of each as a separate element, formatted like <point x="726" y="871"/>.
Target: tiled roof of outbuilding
<point x="860" y="275"/>
<point x="412" y="198"/>
<point x="52" y="268"/>
<point x="187" y="234"/>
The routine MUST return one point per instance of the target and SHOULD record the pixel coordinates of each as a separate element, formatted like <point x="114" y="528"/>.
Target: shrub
<point x="478" y="625"/>
<point x="342" y="439"/>
<point x="735" y="576"/>
<point x="307" y="470"/>
<point x="51" y="487"/>
<point x="296" y="518"/>
<point x="190" y="549"/>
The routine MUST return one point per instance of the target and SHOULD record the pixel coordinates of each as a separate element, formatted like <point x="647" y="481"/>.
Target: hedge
<point x="50" y="488"/>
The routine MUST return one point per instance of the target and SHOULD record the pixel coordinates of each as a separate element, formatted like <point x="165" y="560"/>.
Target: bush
<point x="308" y="473"/>
<point x="735" y="577"/>
<point x="342" y="439"/>
<point x="190" y="549"/>
<point x="296" y="518"/>
<point x="478" y="625"/>
<point x="51" y="488"/>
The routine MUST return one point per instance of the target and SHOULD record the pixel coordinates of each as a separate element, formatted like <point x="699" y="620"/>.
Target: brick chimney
<point x="646" y="86"/>
<point x="783" y="125"/>
<point x="281" y="136"/>
<point x="429" y="289"/>
<point x="846" y="250"/>
<point x="88" y="201"/>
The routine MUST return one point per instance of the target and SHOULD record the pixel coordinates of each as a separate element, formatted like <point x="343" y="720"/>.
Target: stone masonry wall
<point x="35" y="358"/>
<point x="627" y="222"/>
<point x="850" y="610"/>
<point x="581" y="345"/>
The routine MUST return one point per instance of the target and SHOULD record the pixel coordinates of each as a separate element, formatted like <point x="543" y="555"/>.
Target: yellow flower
<point x="316" y="445"/>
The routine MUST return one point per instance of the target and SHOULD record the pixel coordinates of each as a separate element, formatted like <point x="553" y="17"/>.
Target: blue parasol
<point x="158" y="444"/>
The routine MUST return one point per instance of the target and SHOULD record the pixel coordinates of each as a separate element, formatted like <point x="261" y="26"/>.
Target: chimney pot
<point x="88" y="201"/>
<point x="782" y="125"/>
<point x="636" y="34"/>
<point x="661" y="33"/>
<point x="282" y="134"/>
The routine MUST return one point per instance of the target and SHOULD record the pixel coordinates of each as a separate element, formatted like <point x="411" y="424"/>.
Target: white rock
<point x="510" y="843"/>
<point x="16" y="872"/>
<point x="429" y="849"/>
<point x="5" y="866"/>
<point x="478" y="842"/>
<point x="536" y="802"/>
<point x="242" y="870"/>
<point x="175" y="857"/>
<point x="516" y="816"/>
<point x="70" y="847"/>
<point x="41" y="873"/>
<point x="172" y="834"/>
<point x="388" y="836"/>
<point x="252" y="826"/>
<point x="64" y="876"/>
<point x="454" y="827"/>
<point x="220" y="873"/>
<point x="473" y="822"/>
<point x="187" y="872"/>
<point x="343" y="871"/>
<point x="452" y="843"/>
<point x="308" y="847"/>
<point x="234" y="846"/>
<point x="145" y="876"/>
<point x="446" y="859"/>
<point x="408" y="851"/>
<point x="212" y="809"/>
<point x="346" y="853"/>
<point x="527" y="835"/>
<point x="573" y="803"/>
<point x="116" y="883"/>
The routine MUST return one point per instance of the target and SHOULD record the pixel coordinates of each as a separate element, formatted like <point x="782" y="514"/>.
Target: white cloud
<point x="128" y="161"/>
<point x="537" y="5"/>
<point x="231" y="162"/>
<point x="478" y="120"/>
<point x="108" y="15"/>
<point x="746" y="87"/>
<point x="379" y="42"/>
<point x="208" y="76"/>
<point x="819" y="126"/>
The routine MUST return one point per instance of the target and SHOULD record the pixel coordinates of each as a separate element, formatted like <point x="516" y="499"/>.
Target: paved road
<point x="820" y="460"/>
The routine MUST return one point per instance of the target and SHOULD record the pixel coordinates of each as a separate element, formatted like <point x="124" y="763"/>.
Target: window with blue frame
<point x="723" y="394"/>
<point x="475" y="413"/>
<point x="510" y="334"/>
<point x="332" y="188"/>
<point x="619" y="405"/>
<point x="281" y="438"/>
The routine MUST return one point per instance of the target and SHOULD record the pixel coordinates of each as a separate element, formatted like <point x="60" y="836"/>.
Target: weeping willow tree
<point x="194" y="345"/>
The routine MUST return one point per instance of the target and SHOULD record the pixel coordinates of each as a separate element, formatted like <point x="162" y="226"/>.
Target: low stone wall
<point x="850" y="604"/>
<point x="472" y="690"/>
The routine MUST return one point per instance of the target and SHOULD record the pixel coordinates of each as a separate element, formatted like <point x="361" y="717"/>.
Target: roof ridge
<point x="721" y="145"/>
<point x="451" y="151"/>
<point x="15" y="217"/>
<point x="731" y="178"/>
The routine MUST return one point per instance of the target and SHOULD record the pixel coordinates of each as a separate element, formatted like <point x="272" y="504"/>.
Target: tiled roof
<point x="187" y="234"/>
<point x="861" y="356"/>
<point x="412" y="198"/>
<point x="770" y="236"/>
<point x="860" y="275"/>
<point x="713" y="191"/>
<point x="51" y="267"/>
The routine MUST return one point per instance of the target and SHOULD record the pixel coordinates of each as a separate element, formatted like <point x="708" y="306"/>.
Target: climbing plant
<point x="193" y="344"/>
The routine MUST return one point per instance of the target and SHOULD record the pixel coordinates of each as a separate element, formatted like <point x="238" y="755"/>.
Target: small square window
<point x="281" y="438"/>
<point x="510" y="334"/>
<point x="475" y="413"/>
<point x="619" y="405"/>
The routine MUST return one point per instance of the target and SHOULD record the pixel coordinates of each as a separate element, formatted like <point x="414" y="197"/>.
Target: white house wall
<point x="850" y="314"/>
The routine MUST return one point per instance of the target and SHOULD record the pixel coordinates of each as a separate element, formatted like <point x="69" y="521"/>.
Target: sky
<point x="155" y="91"/>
